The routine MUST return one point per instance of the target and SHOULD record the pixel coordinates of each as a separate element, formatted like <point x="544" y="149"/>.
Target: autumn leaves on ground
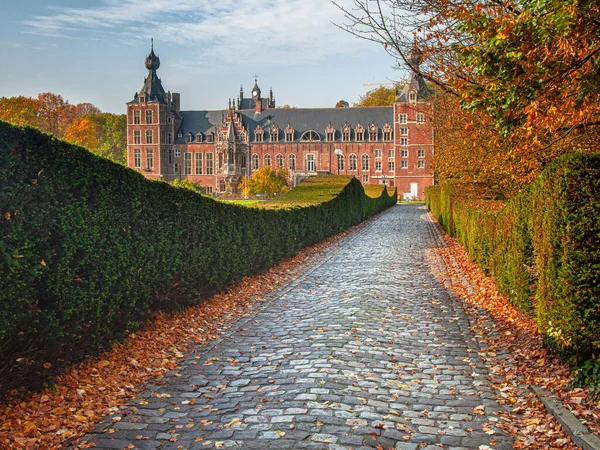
<point x="85" y="393"/>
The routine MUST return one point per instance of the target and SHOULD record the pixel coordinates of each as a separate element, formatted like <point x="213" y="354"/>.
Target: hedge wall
<point x="542" y="247"/>
<point x="89" y="246"/>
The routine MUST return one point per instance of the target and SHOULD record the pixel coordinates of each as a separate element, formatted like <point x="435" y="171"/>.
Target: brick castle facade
<point x="216" y="149"/>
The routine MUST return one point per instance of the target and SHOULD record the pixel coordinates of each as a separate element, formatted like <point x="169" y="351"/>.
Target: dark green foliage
<point x="542" y="247"/>
<point x="89" y="247"/>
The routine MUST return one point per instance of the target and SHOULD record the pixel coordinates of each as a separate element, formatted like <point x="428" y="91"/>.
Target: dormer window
<point x="180" y="134"/>
<point x="310" y="136"/>
<point x="199" y="137"/>
<point x="412" y="97"/>
<point x="346" y="134"/>
<point x="289" y="134"/>
<point x="330" y="134"/>
<point x="387" y="132"/>
<point x="189" y="137"/>
<point x="373" y="133"/>
<point x="210" y="138"/>
<point x="259" y="135"/>
<point x="274" y="134"/>
<point x="359" y="133"/>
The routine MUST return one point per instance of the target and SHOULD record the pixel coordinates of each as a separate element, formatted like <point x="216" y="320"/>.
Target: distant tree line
<point x="82" y="124"/>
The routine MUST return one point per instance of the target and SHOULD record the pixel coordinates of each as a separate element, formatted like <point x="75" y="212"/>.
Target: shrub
<point x="542" y="247"/>
<point x="89" y="246"/>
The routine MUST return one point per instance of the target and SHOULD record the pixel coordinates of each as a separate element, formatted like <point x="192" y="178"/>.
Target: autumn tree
<point x="525" y="73"/>
<point x="82" y="132"/>
<point x="111" y="134"/>
<point x="55" y="114"/>
<point x="381" y="96"/>
<point x="267" y="181"/>
<point x="342" y="104"/>
<point x="19" y="110"/>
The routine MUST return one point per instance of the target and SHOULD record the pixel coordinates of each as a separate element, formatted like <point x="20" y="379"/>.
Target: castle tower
<point x="413" y="133"/>
<point x="150" y="124"/>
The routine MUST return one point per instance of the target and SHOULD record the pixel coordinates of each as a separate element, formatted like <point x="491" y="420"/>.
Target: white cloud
<point x="229" y="31"/>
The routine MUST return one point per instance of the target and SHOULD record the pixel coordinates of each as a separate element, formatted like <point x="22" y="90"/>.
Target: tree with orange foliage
<point x="524" y="74"/>
<point x="82" y="132"/>
<point x="19" y="110"/>
<point x="267" y="181"/>
<point x="55" y="114"/>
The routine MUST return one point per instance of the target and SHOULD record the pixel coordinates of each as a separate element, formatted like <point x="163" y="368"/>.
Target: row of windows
<point x="148" y="115"/>
<point x="341" y="163"/>
<point x="403" y="118"/>
<point x="137" y="159"/>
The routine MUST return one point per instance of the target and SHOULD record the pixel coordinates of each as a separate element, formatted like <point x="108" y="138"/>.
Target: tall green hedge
<point x="89" y="246"/>
<point x="542" y="248"/>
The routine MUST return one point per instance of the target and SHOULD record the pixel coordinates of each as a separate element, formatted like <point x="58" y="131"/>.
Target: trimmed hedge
<point x="542" y="248"/>
<point x="89" y="246"/>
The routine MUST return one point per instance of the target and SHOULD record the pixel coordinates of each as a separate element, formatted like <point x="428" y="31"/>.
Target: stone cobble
<point x="365" y="349"/>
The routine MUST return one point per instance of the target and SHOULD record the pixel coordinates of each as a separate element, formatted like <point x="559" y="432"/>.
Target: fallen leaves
<point x="93" y="389"/>
<point x="515" y="336"/>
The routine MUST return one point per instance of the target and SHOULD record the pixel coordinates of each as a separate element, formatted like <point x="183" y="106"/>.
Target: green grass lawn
<point x="248" y="202"/>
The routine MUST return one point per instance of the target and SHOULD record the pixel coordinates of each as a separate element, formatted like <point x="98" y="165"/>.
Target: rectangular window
<point x="421" y="153"/>
<point x="258" y="137"/>
<point x="404" y="164"/>
<point x="387" y="135"/>
<point x="149" y="158"/>
<point x="403" y="131"/>
<point x="163" y="136"/>
<point x="391" y="166"/>
<point x="169" y="138"/>
<point x="289" y="136"/>
<point x="360" y="135"/>
<point x="136" y="117"/>
<point x="404" y="153"/>
<point x="187" y="163"/>
<point x="391" y="153"/>
<point x="310" y="163"/>
<point x="210" y="138"/>
<point x="170" y="156"/>
<point x="378" y="153"/>
<point x="365" y="179"/>
<point x="148" y="116"/>
<point x="177" y="153"/>
<point x="209" y="164"/>
<point x="404" y="141"/>
<point x="421" y="164"/>
<point x="221" y="185"/>
<point x="176" y="168"/>
<point x="137" y="137"/>
<point x="377" y="166"/>
<point x="330" y="136"/>
<point x="420" y="118"/>
<point x="198" y="163"/>
<point x="402" y="118"/>
<point x="373" y="135"/>
<point x="148" y="136"/>
<point x="208" y="189"/>
<point x="346" y="136"/>
<point x="137" y="158"/>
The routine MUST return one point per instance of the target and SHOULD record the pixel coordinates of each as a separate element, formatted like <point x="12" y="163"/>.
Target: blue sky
<point x="94" y="50"/>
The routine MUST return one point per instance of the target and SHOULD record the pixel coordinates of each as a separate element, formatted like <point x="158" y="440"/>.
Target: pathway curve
<point x="366" y="348"/>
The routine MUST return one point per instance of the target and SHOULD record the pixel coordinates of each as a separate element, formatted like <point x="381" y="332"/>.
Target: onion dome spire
<point x="152" y="61"/>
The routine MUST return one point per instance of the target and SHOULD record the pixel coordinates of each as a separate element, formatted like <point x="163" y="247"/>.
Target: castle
<point x="215" y="149"/>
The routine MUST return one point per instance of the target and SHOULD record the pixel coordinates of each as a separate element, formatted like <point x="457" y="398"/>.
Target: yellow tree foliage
<point x="381" y="96"/>
<point x="82" y="132"/>
<point x="268" y="182"/>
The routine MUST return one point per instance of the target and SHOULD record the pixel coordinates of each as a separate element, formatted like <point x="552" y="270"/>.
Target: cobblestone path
<point x="365" y="349"/>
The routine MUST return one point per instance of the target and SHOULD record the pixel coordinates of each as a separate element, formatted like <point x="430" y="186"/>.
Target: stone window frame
<point x="391" y="166"/>
<point x="373" y="133"/>
<point x="404" y="131"/>
<point x="149" y="158"/>
<point x="259" y="134"/>
<point x="274" y="134"/>
<point x="310" y="136"/>
<point x="359" y="133"/>
<point x="352" y="162"/>
<point x="365" y="162"/>
<point x="420" y="118"/>
<point x="292" y="162"/>
<point x="279" y="161"/>
<point x="421" y="164"/>
<point x="346" y="133"/>
<point x="378" y="165"/>
<point x="267" y="160"/>
<point x="137" y="158"/>
<point x="402" y="118"/>
<point x="209" y="163"/>
<point x="403" y="141"/>
<point x="149" y="114"/>
<point x="137" y="117"/>
<point x="404" y="164"/>
<point x="187" y="163"/>
<point x="329" y="134"/>
<point x="189" y="138"/>
<point x="420" y="153"/>
<point x="313" y="161"/>
<point x="198" y="137"/>
<point x="404" y="153"/>
<point x="254" y="162"/>
<point x="137" y="137"/>
<point x="149" y="136"/>
<point x="177" y="153"/>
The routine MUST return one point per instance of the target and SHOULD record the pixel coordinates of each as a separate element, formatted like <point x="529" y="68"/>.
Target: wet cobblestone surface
<point x="365" y="349"/>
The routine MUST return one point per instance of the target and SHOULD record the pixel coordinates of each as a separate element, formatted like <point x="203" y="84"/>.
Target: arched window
<point x="254" y="162"/>
<point x="310" y="136"/>
<point x="267" y="160"/>
<point x="365" y="162"/>
<point x="352" y="162"/>
<point x="292" y="162"/>
<point x="279" y="160"/>
<point x="340" y="163"/>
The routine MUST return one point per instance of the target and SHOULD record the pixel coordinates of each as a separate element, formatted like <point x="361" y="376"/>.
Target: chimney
<point x="176" y="98"/>
<point x="259" y="105"/>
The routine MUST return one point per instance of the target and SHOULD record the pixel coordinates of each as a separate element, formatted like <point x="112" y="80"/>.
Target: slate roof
<point x="316" y="119"/>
